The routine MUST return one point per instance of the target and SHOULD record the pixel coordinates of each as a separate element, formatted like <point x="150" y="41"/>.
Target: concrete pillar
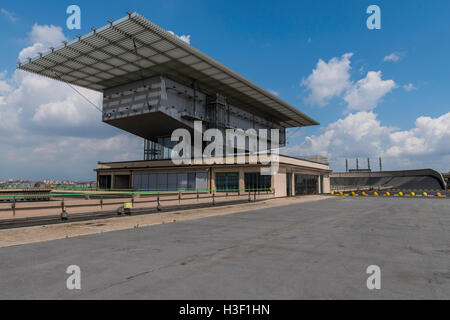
<point x="279" y="183"/>
<point x="293" y="184"/>
<point x="241" y="180"/>
<point x="131" y="180"/>
<point x="318" y="183"/>
<point x="326" y="184"/>
<point x="212" y="177"/>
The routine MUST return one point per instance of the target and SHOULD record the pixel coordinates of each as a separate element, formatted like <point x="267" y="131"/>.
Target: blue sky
<point x="376" y="93"/>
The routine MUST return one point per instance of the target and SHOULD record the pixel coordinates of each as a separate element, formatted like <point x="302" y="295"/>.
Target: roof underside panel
<point x="133" y="48"/>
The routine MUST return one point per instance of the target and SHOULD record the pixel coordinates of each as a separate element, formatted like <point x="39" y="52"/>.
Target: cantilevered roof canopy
<point x="134" y="48"/>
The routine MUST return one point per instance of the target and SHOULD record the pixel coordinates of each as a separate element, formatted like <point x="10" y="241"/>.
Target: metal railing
<point x="96" y="203"/>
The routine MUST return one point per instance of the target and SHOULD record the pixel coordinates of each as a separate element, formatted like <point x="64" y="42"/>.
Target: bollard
<point x="179" y="197"/>
<point x="158" y="207"/>
<point x="13" y="206"/>
<point x="249" y="197"/>
<point x="214" y="198"/>
<point x="64" y="215"/>
<point x="254" y="199"/>
<point x="101" y="202"/>
<point x="127" y="206"/>
<point x="198" y="196"/>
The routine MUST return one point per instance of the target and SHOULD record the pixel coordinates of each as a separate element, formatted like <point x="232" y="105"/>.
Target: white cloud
<point x="393" y="57"/>
<point x="32" y="51"/>
<point x="428" y="137"/>
<point x="57" y="157"/>
<point x="42" y="37"/>
<point x="275" y="93"/>
<point x="45" y="120"/>
<point x="356" y="134"/>
<point x="47" y="35"/>
<point x="4" y="86"/>
<point x="409" y="87"/>
<point x="11" y="16"/>
<point x="185" y="38"/>
<point x="73" y="111"/>
<point x="332" y="79"/>
<point x="361" y="135"/>
<point x="367" y="92"/>
<point x="328" y="80"/>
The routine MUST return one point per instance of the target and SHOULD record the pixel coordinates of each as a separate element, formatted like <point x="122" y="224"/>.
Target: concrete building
<point x="154" y="83"/>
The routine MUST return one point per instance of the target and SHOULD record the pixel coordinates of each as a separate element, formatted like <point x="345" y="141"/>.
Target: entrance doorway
<point x="289" y="184"/>
<point x="306" y="184"/>
<point x="104" y="182"/>
<point x="122" y="182"/>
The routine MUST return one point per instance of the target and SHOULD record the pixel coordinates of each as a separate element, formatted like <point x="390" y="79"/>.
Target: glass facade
<point x="104" y="182"/>
<point x="306" y="184"/>
<point x="227" y="182"/>
<point x="159" y="150"/>
<point x="254" y="181"/>
<point x="171" y="181"/>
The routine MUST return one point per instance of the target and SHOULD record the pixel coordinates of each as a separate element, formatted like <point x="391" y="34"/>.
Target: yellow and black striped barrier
<point x="399" y="194"/>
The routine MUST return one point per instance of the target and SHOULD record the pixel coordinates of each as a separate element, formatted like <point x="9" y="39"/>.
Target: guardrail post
<point x="13" y="206"/>
<point x="158" y="207"/>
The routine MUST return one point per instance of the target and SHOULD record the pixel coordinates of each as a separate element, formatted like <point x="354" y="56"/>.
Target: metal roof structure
<point x="133" y="48"/>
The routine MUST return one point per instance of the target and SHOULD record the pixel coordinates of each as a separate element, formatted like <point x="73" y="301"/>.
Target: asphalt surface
<point x="316" y="250"/>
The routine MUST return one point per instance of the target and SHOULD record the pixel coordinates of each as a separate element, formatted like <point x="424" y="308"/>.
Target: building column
<point x="212" y="180"/>
<point x="319" y="177"/>
<point x="293" y="184"/>
<point x="131" y="180"/>
<point x="241" y="180"/>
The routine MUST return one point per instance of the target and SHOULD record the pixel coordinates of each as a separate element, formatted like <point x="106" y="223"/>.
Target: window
<point x="171" y="181"/>
<point x="105" y="182"/>
<point x="227" y="181"/>
<point x="305" y="184"/>
<point x="254" y="181"/>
